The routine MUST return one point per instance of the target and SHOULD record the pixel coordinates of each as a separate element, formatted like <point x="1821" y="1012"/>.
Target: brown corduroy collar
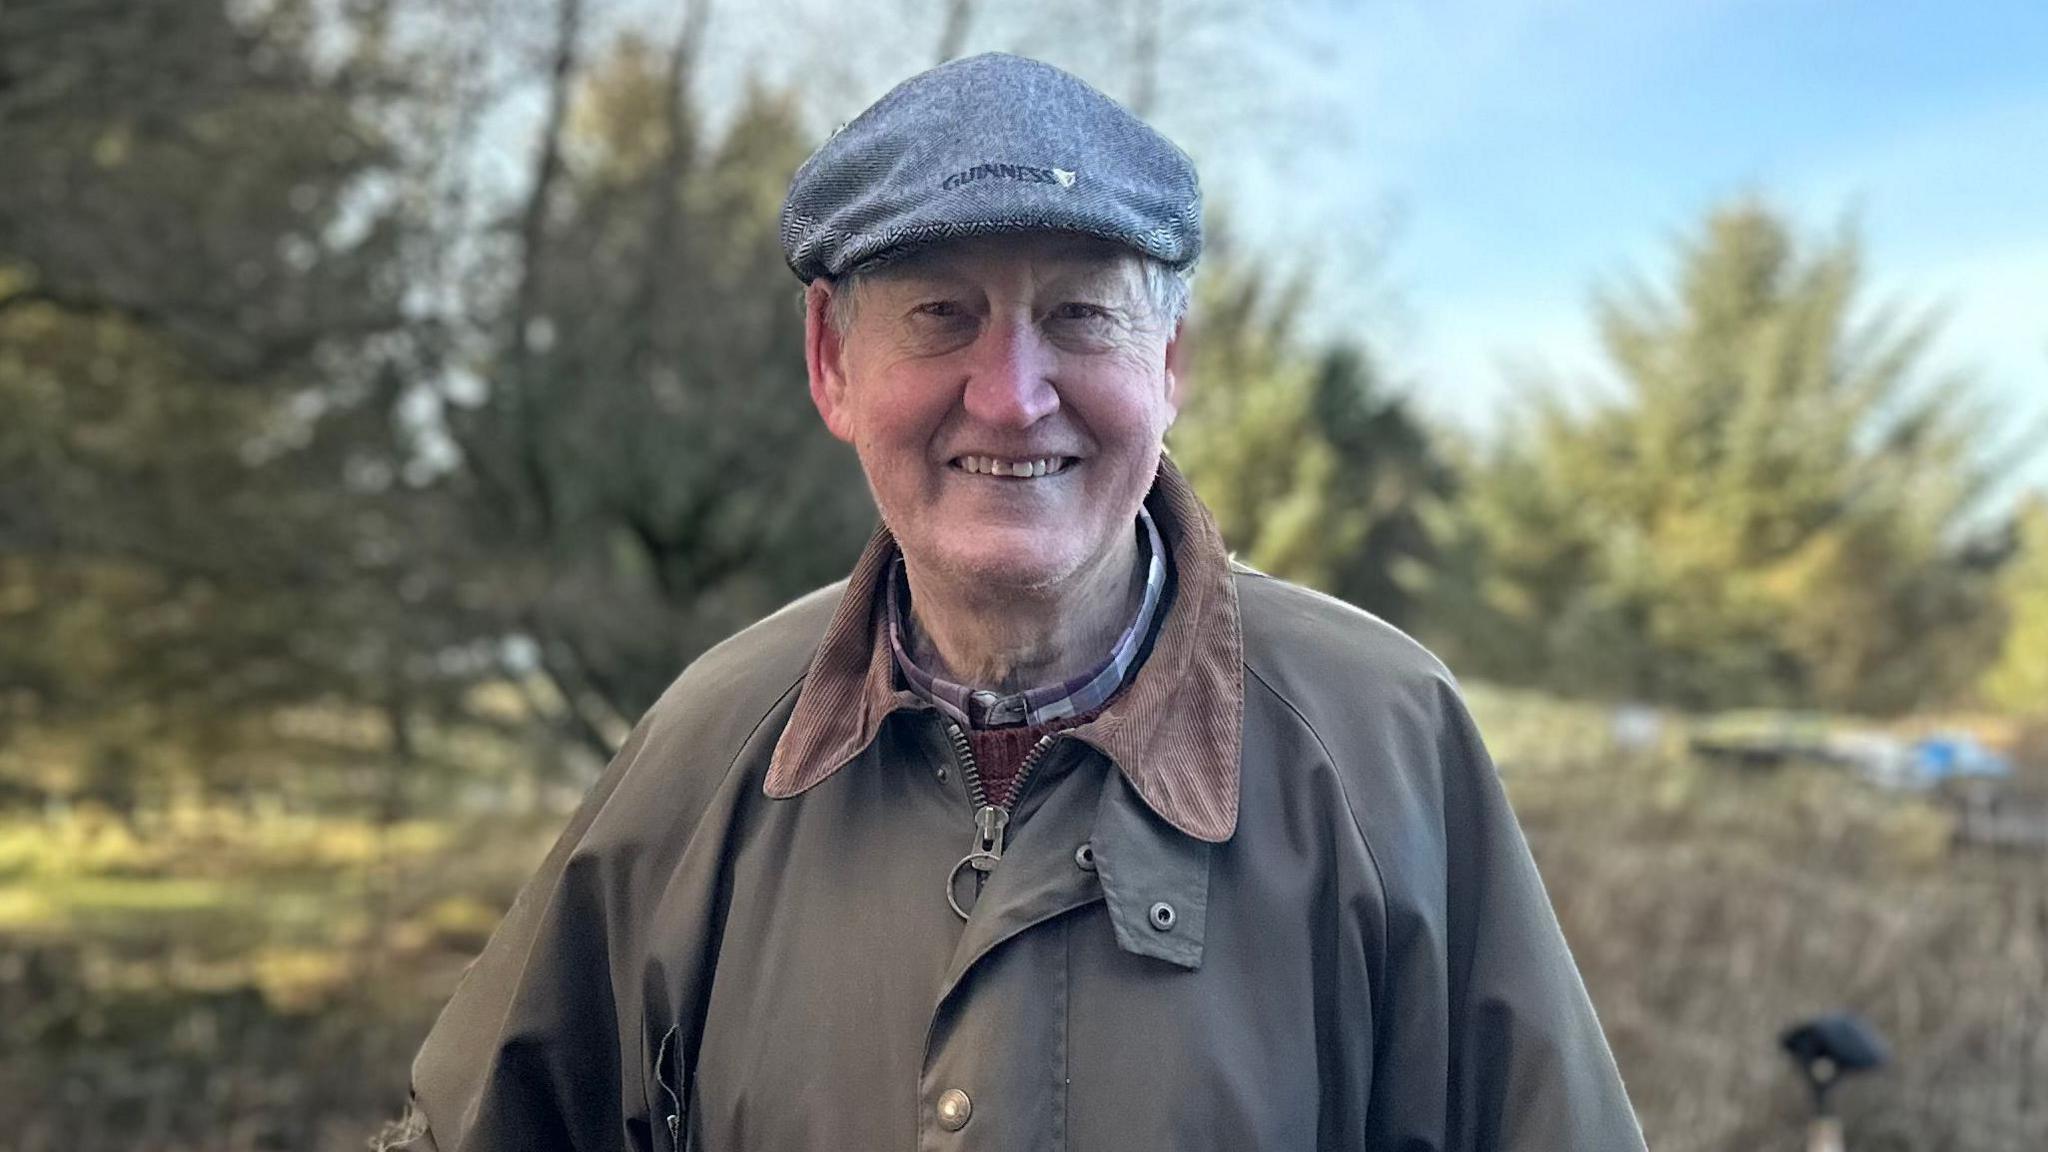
<point x="1175" y="731"/>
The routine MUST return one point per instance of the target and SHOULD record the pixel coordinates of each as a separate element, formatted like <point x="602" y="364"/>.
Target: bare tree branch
<point x="581" y="685"/>
<point x="533" y="244"/>
<point x="1145" y="42"/>
<point x="230" y="357"/>
<point x="953" y="35"/>
<point x="661" y="256"/>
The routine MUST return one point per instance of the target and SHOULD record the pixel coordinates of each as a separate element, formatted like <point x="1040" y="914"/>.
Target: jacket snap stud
<point x="1084" y="857"/>
<point x="1162" y="916"/>
<point x="954" y="1109"/>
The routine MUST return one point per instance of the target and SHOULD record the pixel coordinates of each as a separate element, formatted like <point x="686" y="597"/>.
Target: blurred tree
<point x="1314" y="472"/>
<point x="2018" y="682"/>
<point x="276" y="444"/>
<point x="199" y="245"/>
<point x="198" y="174"/>
<point x="1770" y="512"/>
<point x="644" y="474"/>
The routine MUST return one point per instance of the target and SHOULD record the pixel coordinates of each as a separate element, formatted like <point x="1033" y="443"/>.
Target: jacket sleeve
<point x="553" y="1035"/>
<point x="1487" y="1041"/>
<point x="525" y="1054"/>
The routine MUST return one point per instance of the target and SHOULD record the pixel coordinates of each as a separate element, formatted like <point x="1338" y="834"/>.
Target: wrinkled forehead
<point x="1038" y="256"/>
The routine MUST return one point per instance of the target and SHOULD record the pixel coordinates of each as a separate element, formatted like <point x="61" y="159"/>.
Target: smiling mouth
<point x="1030" y="468"/>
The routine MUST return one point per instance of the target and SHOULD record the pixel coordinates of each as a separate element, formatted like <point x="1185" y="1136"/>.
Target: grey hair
<point x="1168" y="288"/>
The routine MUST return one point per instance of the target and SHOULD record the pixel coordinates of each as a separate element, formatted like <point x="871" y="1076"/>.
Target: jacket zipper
<point x="991" y="821"/>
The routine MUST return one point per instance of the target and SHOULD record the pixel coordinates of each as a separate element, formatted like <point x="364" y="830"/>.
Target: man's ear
<point x="825" y="358"/>
<point x="1176" y="362"/>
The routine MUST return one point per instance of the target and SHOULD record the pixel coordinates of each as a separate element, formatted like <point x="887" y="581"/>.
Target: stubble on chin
<point x="1000" y="568"/>
<point x="997" y="569"/>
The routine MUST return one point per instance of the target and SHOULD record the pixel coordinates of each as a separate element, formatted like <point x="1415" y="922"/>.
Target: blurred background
<point x="396" y="394"/>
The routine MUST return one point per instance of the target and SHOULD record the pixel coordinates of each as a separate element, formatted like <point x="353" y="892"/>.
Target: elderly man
<point x="1051" y="827"/>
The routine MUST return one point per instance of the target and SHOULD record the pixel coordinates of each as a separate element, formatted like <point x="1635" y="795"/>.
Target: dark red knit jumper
<point x="999" y="753"/>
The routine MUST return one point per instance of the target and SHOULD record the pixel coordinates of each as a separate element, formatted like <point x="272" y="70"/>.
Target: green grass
<point x="233" y="981"/>
<point x="214" y="893"/>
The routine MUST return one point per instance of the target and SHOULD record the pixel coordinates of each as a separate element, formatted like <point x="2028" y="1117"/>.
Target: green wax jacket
<point x="1273" y="898"/>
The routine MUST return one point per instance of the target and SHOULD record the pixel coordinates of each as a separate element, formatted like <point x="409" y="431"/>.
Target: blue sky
<point x="1529" y="150"/>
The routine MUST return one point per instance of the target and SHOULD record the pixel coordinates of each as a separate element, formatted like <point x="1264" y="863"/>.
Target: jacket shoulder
<point x="1318" y="652"/>
<point x="745" y="674"/>
<point x="696" y="734"/>
<point x="1492" y="1031"/>
<point x="1385" y="713"/>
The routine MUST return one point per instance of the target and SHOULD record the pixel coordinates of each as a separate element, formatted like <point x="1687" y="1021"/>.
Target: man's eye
<point x="939" y="309"/>
<point x="1076" y="311"/>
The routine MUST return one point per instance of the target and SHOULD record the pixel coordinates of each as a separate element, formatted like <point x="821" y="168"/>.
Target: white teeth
<point x="993" y="466"/>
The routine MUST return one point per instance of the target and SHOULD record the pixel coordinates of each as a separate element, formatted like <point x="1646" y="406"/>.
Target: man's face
<point x="1007" y="397"/>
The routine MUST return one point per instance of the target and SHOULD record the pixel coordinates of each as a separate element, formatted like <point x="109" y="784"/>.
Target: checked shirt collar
<point x="978" y="708"/>
<point x="1175" y="731"/>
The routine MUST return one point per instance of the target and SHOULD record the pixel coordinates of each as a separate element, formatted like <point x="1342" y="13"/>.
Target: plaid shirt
<point x="978" y="708"/>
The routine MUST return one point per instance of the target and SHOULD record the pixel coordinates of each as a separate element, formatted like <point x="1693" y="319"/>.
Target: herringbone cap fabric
<point x="985" y="145"/>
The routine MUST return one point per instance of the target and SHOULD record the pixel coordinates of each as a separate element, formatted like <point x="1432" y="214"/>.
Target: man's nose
<point x="1010" y="376"/>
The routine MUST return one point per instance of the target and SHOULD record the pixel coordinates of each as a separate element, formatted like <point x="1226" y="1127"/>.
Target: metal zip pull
<point x="991" y="822"/>
<point x="990" y="825"/>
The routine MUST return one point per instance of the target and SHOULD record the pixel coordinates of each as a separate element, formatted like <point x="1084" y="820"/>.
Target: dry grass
<point x="1711" y="907"/>
<point x="212" y="980"/>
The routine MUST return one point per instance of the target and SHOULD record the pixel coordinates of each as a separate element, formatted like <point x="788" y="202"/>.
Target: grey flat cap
<point x="989" y="144"/>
